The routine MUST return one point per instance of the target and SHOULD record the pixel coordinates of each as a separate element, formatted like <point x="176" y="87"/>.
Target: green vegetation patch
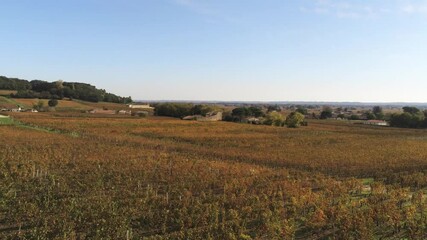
<point x="6" y="121"/>
<point x="367" y="181"/>
<point x="7" y="100"/>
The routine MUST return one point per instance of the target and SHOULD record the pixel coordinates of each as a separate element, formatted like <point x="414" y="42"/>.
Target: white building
<point x="140" y="106"/>
<point x="19" y="109"/>
<point x="376" y="122"/>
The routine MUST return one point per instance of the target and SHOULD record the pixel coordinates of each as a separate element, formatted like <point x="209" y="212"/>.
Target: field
<point x="6" y="92"/>
<point x="72" y="176"/>
<point x="63" y="105"/>
<point x="7" y="103"/>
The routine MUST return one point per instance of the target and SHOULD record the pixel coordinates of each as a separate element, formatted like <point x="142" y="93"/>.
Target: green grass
<point x="6" y="100"/>
<point x="6" y="121"/>
<point x="367" y="181"/>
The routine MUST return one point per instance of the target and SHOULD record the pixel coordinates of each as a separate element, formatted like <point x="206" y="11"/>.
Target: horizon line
<point x="284" y="101"/>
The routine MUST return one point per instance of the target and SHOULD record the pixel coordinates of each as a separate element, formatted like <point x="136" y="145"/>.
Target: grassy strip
<point x="7" y="100"/>
<point x="11" y="121"/>
<point x="6" y="121"/>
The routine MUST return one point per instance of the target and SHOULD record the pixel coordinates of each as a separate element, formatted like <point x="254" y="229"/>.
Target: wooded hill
<point x="58" y="90"/>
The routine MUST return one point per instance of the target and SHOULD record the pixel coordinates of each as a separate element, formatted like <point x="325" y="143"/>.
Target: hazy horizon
<point x="206" y="50"/>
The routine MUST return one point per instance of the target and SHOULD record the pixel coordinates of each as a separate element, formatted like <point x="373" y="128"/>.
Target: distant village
<point x="250" y="113"/>
<point x="141" y="110"/>
<point x="132" y="109"/>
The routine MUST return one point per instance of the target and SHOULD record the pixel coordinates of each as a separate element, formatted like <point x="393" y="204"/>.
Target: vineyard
<point x="73" y="176"/>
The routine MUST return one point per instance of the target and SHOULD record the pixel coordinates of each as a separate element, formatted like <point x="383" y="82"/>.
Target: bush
<point x="177" y="110"/>
<point x="52" y="102"/>
<point x="326" y="113"/>
<point x="294" y="120"/>
<point x="274" y="118"/>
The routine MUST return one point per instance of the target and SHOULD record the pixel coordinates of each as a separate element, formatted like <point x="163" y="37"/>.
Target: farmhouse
<point x="124" y="112"/>
<point x="102" y="111"/>
<point x="253" y="120"/>
<point x="140" y="106"/>
<point x="376" y="122"/>
<point x="19" y="109"/>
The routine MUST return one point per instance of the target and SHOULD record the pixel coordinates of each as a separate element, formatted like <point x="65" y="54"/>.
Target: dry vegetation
<point x="7" y="92"/>
<point x="63" y="105"/>
<point x="107" y="105"/>
<point x="75" y="177"/>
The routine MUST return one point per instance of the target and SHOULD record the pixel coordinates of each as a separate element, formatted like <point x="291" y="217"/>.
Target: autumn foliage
<point x="75" y="176"/>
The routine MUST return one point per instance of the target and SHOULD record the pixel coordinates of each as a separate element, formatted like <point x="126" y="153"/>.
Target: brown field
<point x="79" y="177"/>
<point x="67" y="105"/>
<point x="7" y="102"/>
<point x="107" y="105"/>
<point x="7" y="92"/>
<point x="61" y="103"/>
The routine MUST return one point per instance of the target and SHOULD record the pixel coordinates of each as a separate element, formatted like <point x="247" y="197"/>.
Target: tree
<point x="275" y="119"/>
<point x="369" y="115"/>
<point x="294" y="120"/>
<point x="411" y="110"/>
<point x="378" y="111"/>
<point x="59" y="84"/>
<point x="39" y="105"/>
<point x="302" y="110"/>
<point x="326" y="113"/>
<point x="408" y="119"/>
<point x="52" y="102"/>
<point x="272" y="108"/>
<point x="201" y="109"/>
<point x="354" y="117"/>
<point x="240" y="113"/>
<point x="177" y="110"/>
<point x="256" y="111"/>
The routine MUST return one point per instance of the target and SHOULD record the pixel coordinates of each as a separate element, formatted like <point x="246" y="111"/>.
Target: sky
<point x="229" y="50"/>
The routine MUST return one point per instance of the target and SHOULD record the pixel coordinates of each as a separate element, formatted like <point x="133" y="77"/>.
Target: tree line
<point x="271" y="117"/>
<point x="180" y="110"/>
<point x="251" y="114"/>
<point x="411" y="117"/>
<point x="59" y="90"/>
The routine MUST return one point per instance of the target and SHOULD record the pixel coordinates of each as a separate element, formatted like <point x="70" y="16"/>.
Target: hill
<point x="63" y="105"/>
<point x="20" y="88"/>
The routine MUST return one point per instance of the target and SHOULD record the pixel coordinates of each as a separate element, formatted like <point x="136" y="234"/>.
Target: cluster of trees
<point x="59" y="90"/>
<point x="40" y="105"/>
<point x="375" y="113"/>
<point x="411" y="117"/>
<point x="14" y="83"/>
<point x="272" y="117"/>
<point x="180" y="110"/>
<point x="241" y="113"/>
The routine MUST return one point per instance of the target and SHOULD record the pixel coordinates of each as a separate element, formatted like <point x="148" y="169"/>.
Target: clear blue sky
<point x="312" y="50"/>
